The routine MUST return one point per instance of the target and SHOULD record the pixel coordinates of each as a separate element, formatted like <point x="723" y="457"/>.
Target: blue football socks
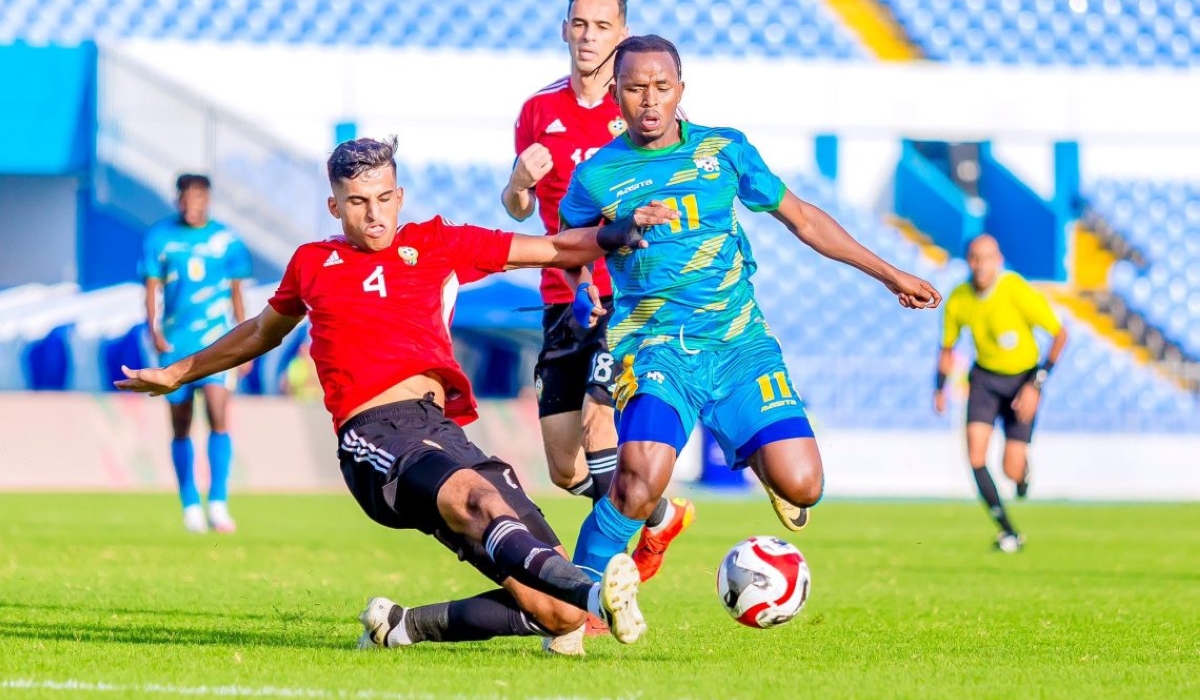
<point x="220" y="455"/>
<point x="181" y="457"/>
<point x="604" y="534"/>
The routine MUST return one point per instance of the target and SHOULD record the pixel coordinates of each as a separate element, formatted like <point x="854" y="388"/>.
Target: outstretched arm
<point x="819" y="231"/>
<point x="570" y="249"/>
<point x="577" y="247"/>
<point x="248" y="340"/>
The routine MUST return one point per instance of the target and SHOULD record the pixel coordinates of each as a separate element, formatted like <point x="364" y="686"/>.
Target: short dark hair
<point x="622" y="5"/>
<point x="648" y="43"/>
<point x="353" y="158"/>
<point x="187" y="181"/>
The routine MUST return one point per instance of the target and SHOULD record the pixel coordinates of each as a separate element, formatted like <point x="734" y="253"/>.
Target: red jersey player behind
<point x="380" y="299"/>
<point x="559" y="127"/>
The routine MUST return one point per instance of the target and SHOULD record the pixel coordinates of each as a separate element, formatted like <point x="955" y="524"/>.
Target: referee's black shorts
<point x="991" y="397"/>
<point x="395" y="459"/>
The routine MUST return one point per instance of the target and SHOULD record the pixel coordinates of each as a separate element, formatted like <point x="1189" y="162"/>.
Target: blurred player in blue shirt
<point x="198" y="266"/>
<point x="685" y="325"/>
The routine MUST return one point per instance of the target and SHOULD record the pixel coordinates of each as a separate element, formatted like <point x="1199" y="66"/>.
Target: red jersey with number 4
<point x="381" y="317"/>
<point x="572" y="132"/>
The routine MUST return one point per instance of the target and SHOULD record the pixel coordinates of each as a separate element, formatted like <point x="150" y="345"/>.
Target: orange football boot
<point x="648" y="555"/>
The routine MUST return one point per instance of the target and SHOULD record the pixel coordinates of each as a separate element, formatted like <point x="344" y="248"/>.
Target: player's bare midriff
<point x="414" y="387"/>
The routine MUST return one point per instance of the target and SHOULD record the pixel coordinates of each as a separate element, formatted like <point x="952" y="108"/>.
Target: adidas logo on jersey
<point x="333" y="259"/>
<point x="556" y="127"/>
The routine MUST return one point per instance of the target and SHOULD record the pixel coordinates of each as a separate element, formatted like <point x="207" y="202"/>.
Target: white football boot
<point x="618" y="599"/>
<point x="194" y="520"/>
<point x="219" y="518"/>
<point x="378" y="620"/>
<point x="1009" y="543"/>
<point x="569" y="644"/>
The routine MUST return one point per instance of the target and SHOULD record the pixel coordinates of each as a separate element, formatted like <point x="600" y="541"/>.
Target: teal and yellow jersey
<point x="691" y="287"/>
<point x="196" y="267"/>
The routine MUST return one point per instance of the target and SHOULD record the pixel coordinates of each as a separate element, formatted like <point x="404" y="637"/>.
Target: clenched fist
<point x="532" y="165"/>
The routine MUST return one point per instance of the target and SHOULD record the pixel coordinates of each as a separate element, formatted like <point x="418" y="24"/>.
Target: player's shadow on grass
<point x="277" y="615"/>
<point x="308" y="638"/>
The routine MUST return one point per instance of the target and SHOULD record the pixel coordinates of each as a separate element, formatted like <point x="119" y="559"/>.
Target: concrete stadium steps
<point x="1100" y="251"/>
<point x="1092" y="308"/>
<point x="877" y="28"/>
<point x="1092" y="260"/>
<point x="1084" y="307"/>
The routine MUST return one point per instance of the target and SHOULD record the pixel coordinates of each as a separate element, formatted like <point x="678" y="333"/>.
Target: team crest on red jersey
<point x="616" y="127"/>
<point x="408" y="255"/>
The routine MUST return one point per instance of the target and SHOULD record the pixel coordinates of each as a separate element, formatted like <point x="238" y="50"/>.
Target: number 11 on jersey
<point x="691" y="212"/>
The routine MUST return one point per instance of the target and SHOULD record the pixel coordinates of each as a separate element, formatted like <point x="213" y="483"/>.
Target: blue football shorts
<point x="738" y="392"/>
<point x="183" y="394"/>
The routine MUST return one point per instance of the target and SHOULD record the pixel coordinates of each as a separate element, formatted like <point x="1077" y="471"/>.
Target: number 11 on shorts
<point x="767" y="388"/>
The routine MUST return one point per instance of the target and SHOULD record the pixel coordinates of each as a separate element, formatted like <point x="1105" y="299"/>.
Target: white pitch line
<point x="241" y="691"/>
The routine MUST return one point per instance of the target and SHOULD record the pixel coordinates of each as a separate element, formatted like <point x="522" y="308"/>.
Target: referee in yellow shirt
<point x="1001" y="309"/>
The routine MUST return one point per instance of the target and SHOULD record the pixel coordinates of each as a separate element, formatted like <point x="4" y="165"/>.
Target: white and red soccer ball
<point x="763" y="582"/>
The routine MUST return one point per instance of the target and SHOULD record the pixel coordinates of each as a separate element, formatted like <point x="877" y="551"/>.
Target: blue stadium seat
<point x="1044" y="32"/>
<point x="1162" y="221"/>
<point x="797" y="28"/>
<point x="129" y="349"/>
<point x="47" y="361"/>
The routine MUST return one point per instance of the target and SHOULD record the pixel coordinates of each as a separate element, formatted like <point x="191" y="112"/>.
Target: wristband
<point x="1040" y="375"/>
<point x="581" y="307"/>
<point x="622" y="233"/>
<point x="939" y="382"/>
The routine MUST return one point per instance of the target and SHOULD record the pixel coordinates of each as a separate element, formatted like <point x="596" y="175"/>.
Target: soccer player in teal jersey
<point x="685" y="324"/>
<point x="198" y="265"/>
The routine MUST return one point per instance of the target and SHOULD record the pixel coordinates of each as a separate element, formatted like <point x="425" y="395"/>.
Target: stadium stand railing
<point x="151" y="129"/>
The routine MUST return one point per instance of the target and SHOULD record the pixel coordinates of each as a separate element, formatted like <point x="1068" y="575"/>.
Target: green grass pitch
<point x="106" y="596"/>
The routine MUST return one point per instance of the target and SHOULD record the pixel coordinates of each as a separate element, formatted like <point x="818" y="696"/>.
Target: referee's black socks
<point x="991" y="498"/>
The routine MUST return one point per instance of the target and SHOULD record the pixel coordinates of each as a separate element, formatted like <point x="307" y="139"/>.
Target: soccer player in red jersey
<point x="380" y="299"/>
<point x="559" y="127"/>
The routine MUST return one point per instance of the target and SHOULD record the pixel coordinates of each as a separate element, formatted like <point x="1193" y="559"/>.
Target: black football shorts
<point x="395" y="459"/>
<point x="991" y="396"/>
<point x="574" y="362"/>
